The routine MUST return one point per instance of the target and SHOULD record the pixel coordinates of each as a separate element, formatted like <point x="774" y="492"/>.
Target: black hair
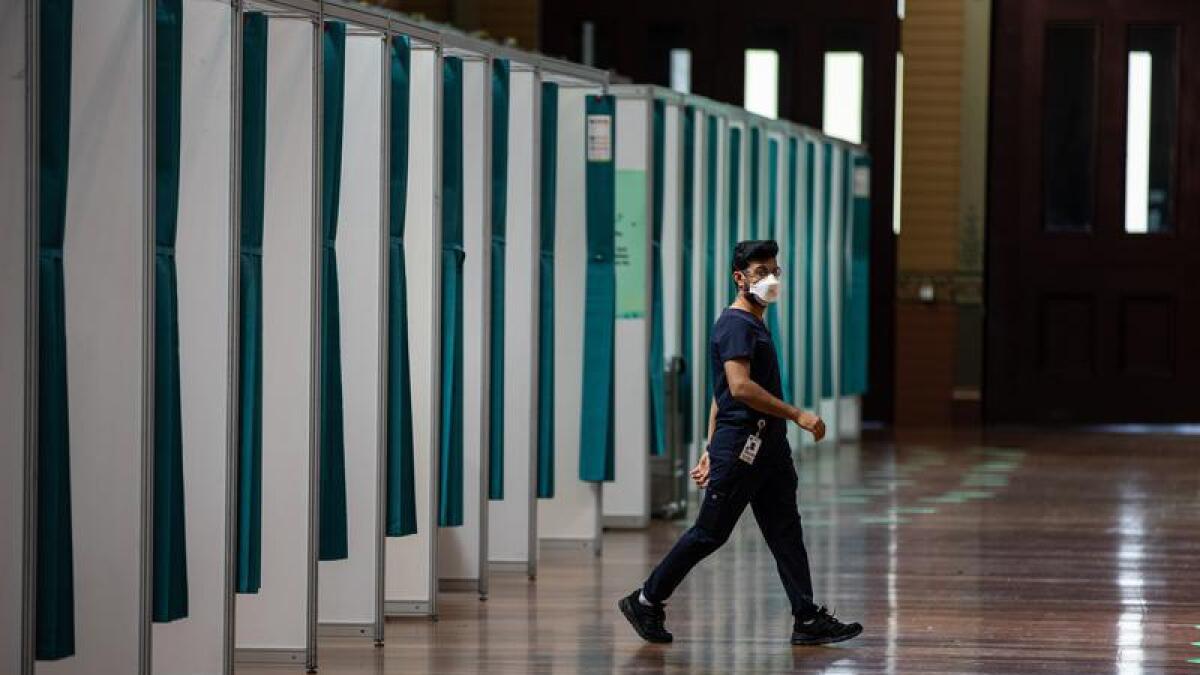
<point x="747" y="252"/>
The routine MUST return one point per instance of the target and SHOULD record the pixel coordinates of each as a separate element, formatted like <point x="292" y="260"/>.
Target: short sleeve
<point x="735" y="341"/>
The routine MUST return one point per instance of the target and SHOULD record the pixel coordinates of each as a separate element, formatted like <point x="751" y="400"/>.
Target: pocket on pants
<point x="713" y="510"/>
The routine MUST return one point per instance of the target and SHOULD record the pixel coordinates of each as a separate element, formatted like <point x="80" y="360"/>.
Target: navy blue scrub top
<point x="738" y="334"/>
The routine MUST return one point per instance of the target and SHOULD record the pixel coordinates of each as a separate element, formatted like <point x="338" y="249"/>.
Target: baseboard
<point x="626" y="522"/>
<point x="509" y="566"/>
<point x="458" y="585"/>
<point x="268" y="655"/>
<point x="366" y="630"/>
<point x="407" y="608"/>
<point x="567" y="544"/>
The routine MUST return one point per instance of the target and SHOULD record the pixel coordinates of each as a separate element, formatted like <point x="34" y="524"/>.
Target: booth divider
<point x="462" y="549"/>
<point x="19" y="260"/>
<point x="348" y="587"/>
<point x="274" y="624"/>
<point x="199" y="107"/>
<point x="627" y="497"/>
<point x="571" y="518"/>
<point x="512" y="518"/>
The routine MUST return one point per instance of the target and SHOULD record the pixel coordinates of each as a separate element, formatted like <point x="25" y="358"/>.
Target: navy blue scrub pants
<point x="769" y="487"/>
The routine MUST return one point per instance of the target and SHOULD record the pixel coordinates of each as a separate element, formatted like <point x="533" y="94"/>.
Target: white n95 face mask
<point x="766" y="290"/>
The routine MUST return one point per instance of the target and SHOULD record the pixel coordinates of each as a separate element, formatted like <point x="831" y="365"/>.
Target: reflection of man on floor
<point x="748" y="462"/>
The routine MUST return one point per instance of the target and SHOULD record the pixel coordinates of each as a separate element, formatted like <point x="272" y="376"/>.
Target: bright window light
<point x="1137" y="143"/>
<point x="898" y="147"/>
<point x="843" y="95"/>
<point x="681" y="70"/>
<point x="762" y="82"/>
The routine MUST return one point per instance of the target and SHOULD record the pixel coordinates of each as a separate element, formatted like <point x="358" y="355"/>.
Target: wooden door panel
<point x="1093" y="324"/>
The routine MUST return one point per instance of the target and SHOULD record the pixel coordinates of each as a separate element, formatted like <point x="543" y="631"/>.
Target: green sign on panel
<point x="630" y="243"/>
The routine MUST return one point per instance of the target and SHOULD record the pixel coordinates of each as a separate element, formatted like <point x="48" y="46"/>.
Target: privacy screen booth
<point x="316" y="311"/>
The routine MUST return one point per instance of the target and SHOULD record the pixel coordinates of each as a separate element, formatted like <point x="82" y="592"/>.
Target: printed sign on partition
<point x="599" y="138"/>
<point x="862" y="181"/>
<point x="630" y="245"/>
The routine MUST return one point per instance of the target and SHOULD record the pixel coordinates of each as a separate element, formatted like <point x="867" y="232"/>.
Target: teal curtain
<point x="401" y="480"/>
<point x="169" y="557"/>
<point x="856" y="296"/>
<point x="810" y="296"/>
<point x="711" y="285"/>
<point x="548" y="194"/>
<point x="791" y="277"/>
<point x="774" y="312"/>
<point x="596" y="450"/>
<point x="54" y="630"/>
<point x="658" y="408"/>
<point x="253" y="165"/>
<point x="755" y="185"/>
<point x="332" y="496"/>
<point x="735" y="192"/>
<point x="450" y="454"/>
<point x="826" y="285"/>
<point x="686" y="299"/>
<point x="500" y="78"/>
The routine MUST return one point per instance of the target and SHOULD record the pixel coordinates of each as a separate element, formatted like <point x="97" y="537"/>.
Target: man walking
<point x="748" y="462"/>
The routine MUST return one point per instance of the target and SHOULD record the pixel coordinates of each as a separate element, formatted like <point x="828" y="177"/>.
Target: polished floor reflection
<point x="1011" y="553"/>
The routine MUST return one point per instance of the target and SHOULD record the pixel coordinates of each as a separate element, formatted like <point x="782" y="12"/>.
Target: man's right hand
<point x="700" y="471"/>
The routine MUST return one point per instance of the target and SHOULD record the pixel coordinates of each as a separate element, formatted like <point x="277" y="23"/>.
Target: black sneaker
<point x="646" y="620"/>
<point x="823" y="629"/>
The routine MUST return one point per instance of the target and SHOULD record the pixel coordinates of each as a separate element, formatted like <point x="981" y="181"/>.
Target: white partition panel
<point x="697" y="360"/>
<point x="461" y="549"/>
<point x="410" y="561"/>
<point x="202" y="249"/>
<point x="831" y="250"/>
<point x="273" y="622"/>
<point x="512" y="521"/>
<point x="804" y="309"/>
<point x="104" y="263"/>
<point x="627" y="499"/>
<point x="722" y="296"/>
<point x="819" y="260"/>
<point x="347" y="589"/>
<point x="672" y="242"/>
<point x="572" y="517"/>
<point x="14" y="249"/>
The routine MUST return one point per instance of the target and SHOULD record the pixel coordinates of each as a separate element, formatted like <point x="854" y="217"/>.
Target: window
<point x="843" y="95"/>
<point x="1150" y="129"/>
<point x="1068" y="127"/>
<point x="898" y="143"/>
<point x="762" y="82"/>
<point x="681" y="70"/>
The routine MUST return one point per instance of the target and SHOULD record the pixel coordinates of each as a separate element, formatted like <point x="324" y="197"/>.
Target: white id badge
<point x="750" y="450"/>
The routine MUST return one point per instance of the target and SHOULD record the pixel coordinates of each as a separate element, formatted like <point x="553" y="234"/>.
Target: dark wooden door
<point x="1093" y="269"/>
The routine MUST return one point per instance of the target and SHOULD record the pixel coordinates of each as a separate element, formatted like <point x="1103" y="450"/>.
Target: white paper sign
<point x="862" y="181"/>
<point x="599" y="138"/>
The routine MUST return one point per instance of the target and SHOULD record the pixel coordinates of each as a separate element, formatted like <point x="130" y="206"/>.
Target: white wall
<point x="627" y="499"/>
<point x="572" y="515"/>
<point x="275" y="617"/>
<point x="460" y="548"/>
<point x="512" y="522"/>
<point x="347" y="589"/>
<point x="103" y="259"/>
<point x="13" y="249"/>
<point x="203" y="246"/>
<point x="408" y="575"/>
